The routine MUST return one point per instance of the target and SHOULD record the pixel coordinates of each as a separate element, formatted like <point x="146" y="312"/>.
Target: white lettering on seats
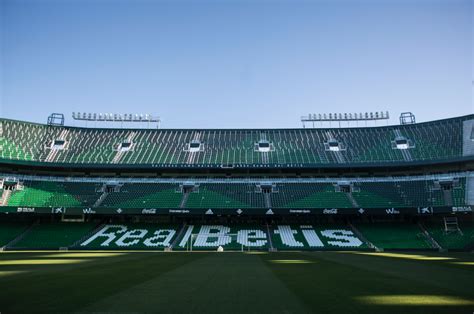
<point x="312" y="238"/>
<point x="348" y="236"/>
<point x="213" y="236"/>
<point x="163" y="236"/>
<point x="287" y="236"/>
<point x="251" y="238"/>
<point x="131" y="235"/>
<point x="103" y="233"/>
<point x="186" y="236"/>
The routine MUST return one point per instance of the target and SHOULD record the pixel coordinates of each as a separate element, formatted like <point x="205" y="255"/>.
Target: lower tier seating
<point x="391" y="235"/>
<point x="10" y="230"/>
<point x="453" y="239"/>
<point x="54" y="235"/>
<point x="252" y="236"/>
<point x="131" y="236"/>
<point x="235" y="237"/>
<point x="311" y="237"/>
<point x="144" y="195"/>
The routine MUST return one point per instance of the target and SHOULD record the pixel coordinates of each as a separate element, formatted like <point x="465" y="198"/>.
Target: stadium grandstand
<point x="229" y="157"/>
<point x="25" y="143"/>
<point x="399" y="187"/>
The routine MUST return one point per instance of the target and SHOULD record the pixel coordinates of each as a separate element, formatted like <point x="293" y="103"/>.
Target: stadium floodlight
<point x="407" y="118"/>
<point x="115" y="117"/>
<point x="338" y="117"/>
<point x="56" y="119"/>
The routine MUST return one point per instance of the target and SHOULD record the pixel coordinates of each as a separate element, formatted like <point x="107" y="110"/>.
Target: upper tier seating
<point x="436" y="140"/>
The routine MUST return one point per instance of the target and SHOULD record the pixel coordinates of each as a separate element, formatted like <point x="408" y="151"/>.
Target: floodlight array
<point x="346" y="116"/>
<point x="115" y="117"/>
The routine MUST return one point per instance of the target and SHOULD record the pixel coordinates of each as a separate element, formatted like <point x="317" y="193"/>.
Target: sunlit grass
<point x="256" y="252"/>
<point x="290" y="261"/>
<point x="41" y="261"/>
<point x="83" y="251"/>
<point x="11" y="272"/>
<point x="73" y="255"/>
<point x="29" y="251"/>
<point x="405" y="256"/>
<point x="463" y="263"/>
<point x="414" y="300"/>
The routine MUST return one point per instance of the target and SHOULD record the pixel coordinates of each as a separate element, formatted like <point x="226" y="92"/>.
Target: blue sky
<point x="211" y="64"/>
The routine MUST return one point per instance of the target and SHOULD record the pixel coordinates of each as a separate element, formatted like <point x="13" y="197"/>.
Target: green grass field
<point x="235" y="282"/>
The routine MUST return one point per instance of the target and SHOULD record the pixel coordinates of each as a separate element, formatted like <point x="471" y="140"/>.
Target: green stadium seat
<point x="436" y="140"/>
<point x="393" y="235"/>
<point x="53" y="235"/>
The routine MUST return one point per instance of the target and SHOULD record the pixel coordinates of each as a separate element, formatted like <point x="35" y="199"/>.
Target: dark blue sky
<point x="235" y="64"/>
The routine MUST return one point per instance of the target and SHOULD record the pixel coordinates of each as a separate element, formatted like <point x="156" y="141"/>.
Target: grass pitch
<point x="234" y="282"/>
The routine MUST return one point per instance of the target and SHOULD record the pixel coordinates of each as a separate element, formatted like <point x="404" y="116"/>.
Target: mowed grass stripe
<point x="457" y="279"/>
<point x="330" y="282"/>
<point x="66" y="288"/>
<point x="218" y="283"/>
<point x="232" y="282"/>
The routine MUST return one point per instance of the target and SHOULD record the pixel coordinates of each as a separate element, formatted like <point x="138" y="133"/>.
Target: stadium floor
<point x="235" y="282"/>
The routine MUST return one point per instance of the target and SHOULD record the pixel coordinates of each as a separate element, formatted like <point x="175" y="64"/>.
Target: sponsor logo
<point x="25" y="210"/>
<point x="178" y="211"/>
<point x="361" y="210"/>
<point x="209" y="212"/>
<point x="392" y="211"/>
<point x="425" y="210"/>
<point x="88" y="211"/>
<point x="149" y="211"/>
<point x="119" y="210"/>
<point x="300" y="211"/>
<point x="332" y="211"/>
<point x="269" y="212"/>
<point x="58" y="210"/>
<point x="239" y="211"/>
<point x="462" y="209"/>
